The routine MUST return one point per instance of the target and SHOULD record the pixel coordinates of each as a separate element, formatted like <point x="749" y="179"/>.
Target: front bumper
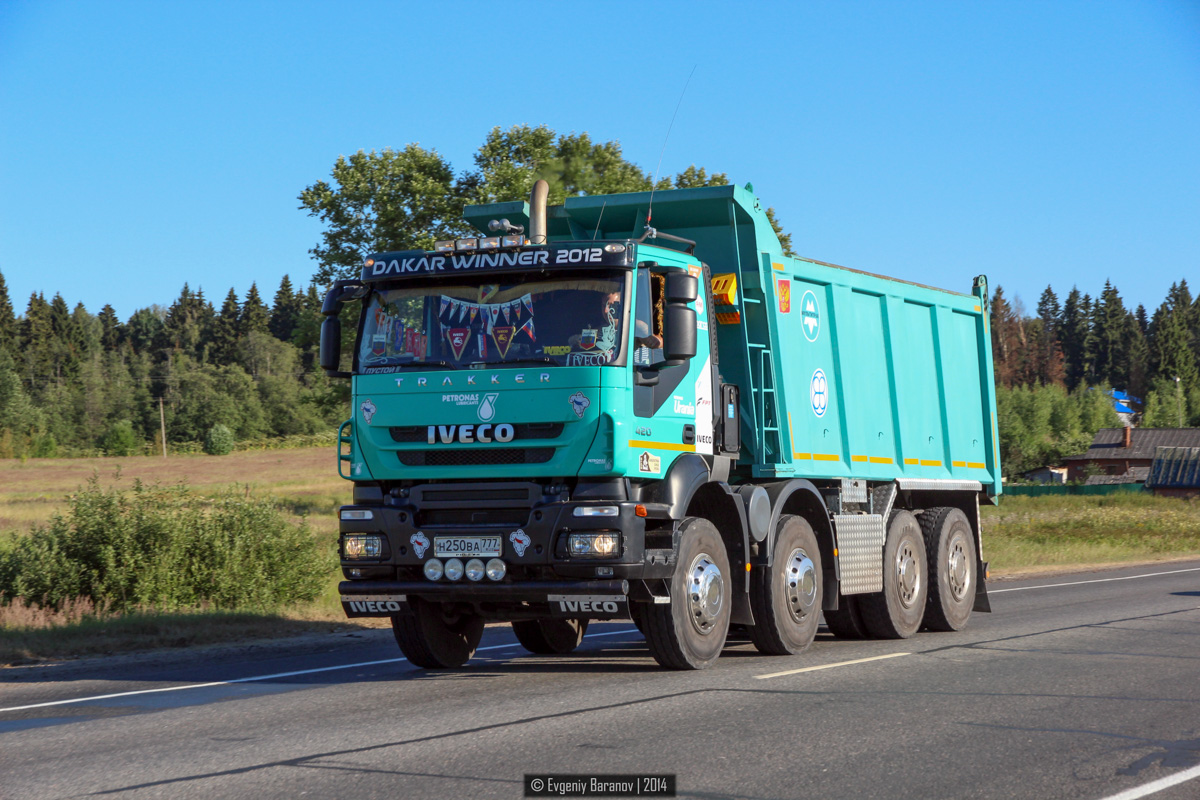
<point x="607" y="599"/>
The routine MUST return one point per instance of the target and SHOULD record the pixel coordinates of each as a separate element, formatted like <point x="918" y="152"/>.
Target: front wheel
<point x="689" y="632"/>
<point x="434" y="636"/>
<point x="550" y="637"/>
<point x="786" y="597"/>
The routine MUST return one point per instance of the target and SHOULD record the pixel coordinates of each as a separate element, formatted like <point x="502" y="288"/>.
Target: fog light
<point x="454" y="569"/>
<point x="593" y="545"/>
<point x="474" y="570"/>
<point x="362" y="546"/>
<point x="466" y="244"/>
<point x="444" y="246"/>
<point x="490" y="243"/>
<point x="433" y="569"/>
<point x="496" y="569"/>
<point x="512" y="241"/>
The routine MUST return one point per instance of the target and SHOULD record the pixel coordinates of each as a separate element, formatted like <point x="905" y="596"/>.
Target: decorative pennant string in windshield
<point x="502" y="321"/>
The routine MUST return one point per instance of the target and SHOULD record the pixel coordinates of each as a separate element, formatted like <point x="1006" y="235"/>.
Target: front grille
<point x="490" y="456"/>
<point x="413" y="434"/>
<point x="473" y="517"/>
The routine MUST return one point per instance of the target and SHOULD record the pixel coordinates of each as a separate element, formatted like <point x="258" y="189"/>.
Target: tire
<point x="786" y="598"/>
<point x="846" y="621"/>
<point x="689" y="632"/>
<point x="897" y="611"/>
<point x="550" y="637"/>
<point x="433" y="639"/>
<point x="953" y="568"/>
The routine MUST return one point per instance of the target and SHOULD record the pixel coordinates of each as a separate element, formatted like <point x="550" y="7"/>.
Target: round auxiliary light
<point x="433" y="569"/>
<point x="496" y="569"/>
<point x="475" y="570"/>
<point x="454" y="569"/>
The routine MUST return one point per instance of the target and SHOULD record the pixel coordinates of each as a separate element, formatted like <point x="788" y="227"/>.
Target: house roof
<point x="1175" y="467"/>
<point x="1108" y="443"/>
<point x="1132" y="475"/>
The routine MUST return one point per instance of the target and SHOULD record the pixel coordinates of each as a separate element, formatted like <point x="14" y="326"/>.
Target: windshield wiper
<point x="542" y="360"/>
<point x="430" y="364"/>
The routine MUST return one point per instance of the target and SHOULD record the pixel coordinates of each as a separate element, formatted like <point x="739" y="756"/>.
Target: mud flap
<point x="981" y="596"/>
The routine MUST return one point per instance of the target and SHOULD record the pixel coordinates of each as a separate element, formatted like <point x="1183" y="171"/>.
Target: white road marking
<point x="1097" y="580"/>
<point x="1156" y="786"/>
<point x="830" y="666"/>
<point x="274" y="676"/>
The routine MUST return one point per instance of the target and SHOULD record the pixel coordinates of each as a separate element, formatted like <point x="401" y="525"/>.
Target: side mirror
<point x="331" y="344"/>
<point x="682" y="288"/>
<point x="679" y="333"/>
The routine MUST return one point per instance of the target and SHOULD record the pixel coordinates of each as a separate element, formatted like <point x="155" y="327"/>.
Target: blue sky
<point x="143" y="145"/>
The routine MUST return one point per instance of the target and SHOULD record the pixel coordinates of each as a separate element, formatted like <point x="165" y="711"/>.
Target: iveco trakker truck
<point x="615" y="410"/>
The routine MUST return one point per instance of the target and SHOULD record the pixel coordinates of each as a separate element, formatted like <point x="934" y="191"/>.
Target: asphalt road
<point x="1080" y="686"/>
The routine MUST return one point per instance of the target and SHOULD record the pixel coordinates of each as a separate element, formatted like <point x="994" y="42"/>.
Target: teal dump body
<point x="843" y="374"/>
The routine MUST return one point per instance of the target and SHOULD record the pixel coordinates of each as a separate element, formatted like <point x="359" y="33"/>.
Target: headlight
<point x="454" y="569"/>
<point x="594" y="545"/>
<point x="362" y="546"/>
<point x="357" y="513"/>
<point x="496" y="569"/>
<point x="475" y="570"/>
<point x="433" y="569"/>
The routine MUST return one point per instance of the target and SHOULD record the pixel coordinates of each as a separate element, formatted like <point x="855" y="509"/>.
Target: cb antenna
<point x="650" y="207"/>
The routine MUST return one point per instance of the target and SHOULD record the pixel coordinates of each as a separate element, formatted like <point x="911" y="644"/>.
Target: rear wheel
<point x="435" y="636"/>
<point x="953" y="570"/>
<point x="689" y="632"/>
<point x="845" y="622"/>
<point x="896" y="612"/>
<point x="550" y="637"/>
<point x="786" y="598"/>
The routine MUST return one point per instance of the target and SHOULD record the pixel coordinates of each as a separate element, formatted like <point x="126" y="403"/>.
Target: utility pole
<point x="1179" y="399"/>
<point x="162" y="422"/>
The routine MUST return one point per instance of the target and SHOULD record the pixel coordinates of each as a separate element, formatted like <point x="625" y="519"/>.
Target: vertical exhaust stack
<point x="537" y="212"/>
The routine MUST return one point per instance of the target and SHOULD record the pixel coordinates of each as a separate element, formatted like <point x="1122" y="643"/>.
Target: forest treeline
<point x="1055" y="367"/>
<point x="77" y="383"/>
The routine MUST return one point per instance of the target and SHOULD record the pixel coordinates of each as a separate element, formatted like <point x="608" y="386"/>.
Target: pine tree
<point x="8" y="320"/>
<point x="285" y="314"/>
<point x="1170" y="353"/>
<point x="1110" y="328"/>
<point x="111" y="333"/>
<point x="223" y="337"/>
<point x="254" y="316"/>
<point x="1050" y="366"/>
<point x="1073" y="334"/>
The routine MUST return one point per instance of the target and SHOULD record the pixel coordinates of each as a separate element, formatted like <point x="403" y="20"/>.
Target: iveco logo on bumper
<point x="469" y="434"/>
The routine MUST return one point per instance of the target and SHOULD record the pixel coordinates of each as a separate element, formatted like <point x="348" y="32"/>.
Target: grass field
<point x="1022" y="535"/>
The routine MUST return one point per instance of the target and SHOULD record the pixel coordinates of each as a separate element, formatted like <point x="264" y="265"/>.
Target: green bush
<point x="119" y="439"/>
<point x="166" y="548"/>
<point x="219" y="441"/>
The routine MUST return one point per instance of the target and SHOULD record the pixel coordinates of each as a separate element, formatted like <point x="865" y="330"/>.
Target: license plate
<point x="466" y="546"/>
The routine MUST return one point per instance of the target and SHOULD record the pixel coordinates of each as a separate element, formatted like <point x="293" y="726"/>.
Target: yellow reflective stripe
<point x="958" y="463"/>
<point x="858" y="459"/>
<point x="777" y="266"/>
<point x="825" y="457"/>
<point x="976" y="465"/>
<point x="912" y="462"/>
<point x="684" y="448"/>
<point x="928" y="463"/>
<point x="881" y="460"/>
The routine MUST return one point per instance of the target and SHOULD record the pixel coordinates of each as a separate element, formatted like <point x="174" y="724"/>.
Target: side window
<point x="647" y="344"/>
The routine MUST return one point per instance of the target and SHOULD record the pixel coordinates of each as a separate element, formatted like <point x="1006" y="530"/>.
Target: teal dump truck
<point x="636" y="407"/>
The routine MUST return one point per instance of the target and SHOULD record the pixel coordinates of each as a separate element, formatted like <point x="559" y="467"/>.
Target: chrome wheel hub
<point x="801" y="577"/>
<point x="958" y="570"/>
<point x="706" y="593"/>
<point x="908" y="570"/>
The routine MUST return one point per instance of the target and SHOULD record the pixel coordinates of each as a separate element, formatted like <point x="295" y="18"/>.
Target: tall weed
<point x="168" y="548"/>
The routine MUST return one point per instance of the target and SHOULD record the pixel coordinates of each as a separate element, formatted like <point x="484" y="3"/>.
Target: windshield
<point x="576" y="320"/>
